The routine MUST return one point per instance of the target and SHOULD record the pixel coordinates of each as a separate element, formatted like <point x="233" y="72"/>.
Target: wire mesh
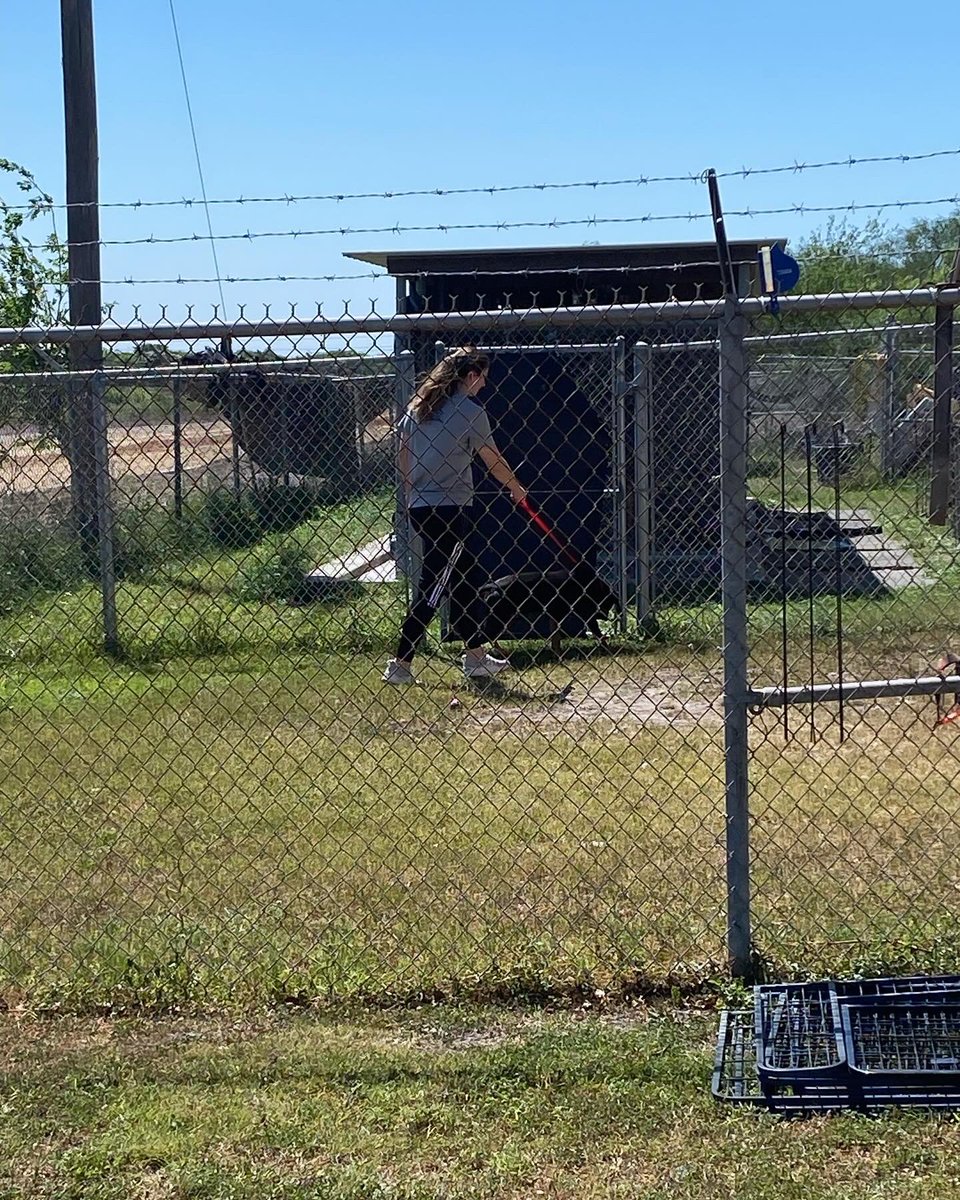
<point x="234" y="802"/>
<point x="236" y="805"/>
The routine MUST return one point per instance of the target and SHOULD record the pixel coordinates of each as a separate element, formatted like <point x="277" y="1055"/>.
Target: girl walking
<point x="441" y="432"/>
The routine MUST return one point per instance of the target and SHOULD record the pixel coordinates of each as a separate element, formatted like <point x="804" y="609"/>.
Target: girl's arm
<point x="499" y="468"/>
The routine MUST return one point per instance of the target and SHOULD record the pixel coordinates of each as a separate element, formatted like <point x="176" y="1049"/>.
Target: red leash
<point x="545" y="529"/>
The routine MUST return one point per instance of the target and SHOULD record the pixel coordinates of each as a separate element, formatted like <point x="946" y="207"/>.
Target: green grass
<point x="244" y="834"/>
<point x="256" y="831"/>
<point x="246" y="547"/>
<point x="239" y="814"/>
<point x="188" y="604"/>
<point x="437" y="1102"/>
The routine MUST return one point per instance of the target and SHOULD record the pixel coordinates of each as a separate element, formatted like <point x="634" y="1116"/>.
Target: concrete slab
<point x="372" y="563"/>
<point x="892" y="563"/>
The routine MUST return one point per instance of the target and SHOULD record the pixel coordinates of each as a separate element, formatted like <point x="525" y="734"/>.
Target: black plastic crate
<point x="735" y="1078"/>
<point x="735" y="1065"/>
<point x="918" y="998"/>
<point x="798" y="1040"/>
<point x="910" y="1042"/>
<point x="736" y="1081"/>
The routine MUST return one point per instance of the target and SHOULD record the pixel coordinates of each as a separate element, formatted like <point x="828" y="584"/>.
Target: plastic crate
<point x="911" y="1040"/>
<point x="734" y="1065"/>
<point x="735" y="1078"/>
<point x="736" y="1081"/>
<point x="798" y="1040"/>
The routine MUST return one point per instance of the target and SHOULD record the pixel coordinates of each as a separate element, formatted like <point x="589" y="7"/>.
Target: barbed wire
<point x="936" y="252"/>
<point x="796" y="168"/>
<point x="475" y="273"/>
<point x="501" y="226"/>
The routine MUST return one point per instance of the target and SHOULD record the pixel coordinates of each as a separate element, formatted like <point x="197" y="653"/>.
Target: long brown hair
<point x="441" y="382"/>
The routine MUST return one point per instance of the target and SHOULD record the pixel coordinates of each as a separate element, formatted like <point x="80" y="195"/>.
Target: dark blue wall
<point x="559" y="446"/>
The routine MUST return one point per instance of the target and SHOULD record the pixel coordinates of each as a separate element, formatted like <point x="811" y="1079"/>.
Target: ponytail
<point x="443" y="380"/>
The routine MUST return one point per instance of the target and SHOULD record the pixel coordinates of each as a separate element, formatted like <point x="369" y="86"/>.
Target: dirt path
<point x="668" y="698"/>
<point x="135" y="451"/>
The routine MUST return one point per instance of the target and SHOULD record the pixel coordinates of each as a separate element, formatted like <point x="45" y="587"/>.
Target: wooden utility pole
<point x="83" y="261"/>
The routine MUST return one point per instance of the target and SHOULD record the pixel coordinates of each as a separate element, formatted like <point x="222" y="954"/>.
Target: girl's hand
<point x="518" y="493"/>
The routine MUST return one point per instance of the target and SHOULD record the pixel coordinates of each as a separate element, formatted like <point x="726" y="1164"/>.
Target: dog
<point x="565" y="599"/>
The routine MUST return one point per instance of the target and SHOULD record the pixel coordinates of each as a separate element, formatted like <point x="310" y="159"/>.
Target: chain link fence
<point x="715" y="743"/>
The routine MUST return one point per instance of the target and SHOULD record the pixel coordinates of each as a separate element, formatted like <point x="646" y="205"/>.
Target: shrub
<point x="231" y="522"/>
<point x="275" y="578"/>
<point x="34" y="558"/>
<point x="280" y="508"/>
<point x="146" y="535"/>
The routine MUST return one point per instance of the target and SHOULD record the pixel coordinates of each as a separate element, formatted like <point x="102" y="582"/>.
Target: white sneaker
<point x="397" y="673"/>
<point x="484" y="668"/>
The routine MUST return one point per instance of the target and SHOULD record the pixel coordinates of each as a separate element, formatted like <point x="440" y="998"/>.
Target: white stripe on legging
<point x="441" y="584"/>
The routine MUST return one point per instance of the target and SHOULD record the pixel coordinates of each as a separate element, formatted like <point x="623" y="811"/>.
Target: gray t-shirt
<point x="442" y="451"/>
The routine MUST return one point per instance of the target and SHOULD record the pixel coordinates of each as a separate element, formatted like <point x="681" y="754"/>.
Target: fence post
<point x="942" y="415"/>
<point x="284" y="399"/>
<point x="622" y="401"/>
<point x="83" y="262"/>
<point x="407" y="551"/>
<point x="177" y="449"/>
<point x="888" y="432"/>
<point x="105" y="538"/>
<point x="643" y="486"/>
<point x="733" y="519"/>
<point x="233" y="416"/>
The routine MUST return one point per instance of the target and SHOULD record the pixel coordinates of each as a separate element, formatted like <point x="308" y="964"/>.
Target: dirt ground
<point x="669" y="698"/>
<point x="35" y="476"/>
<point x="27" y="465"/>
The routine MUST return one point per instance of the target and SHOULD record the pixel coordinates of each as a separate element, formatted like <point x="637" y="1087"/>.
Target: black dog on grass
<point x="564" y="598"/>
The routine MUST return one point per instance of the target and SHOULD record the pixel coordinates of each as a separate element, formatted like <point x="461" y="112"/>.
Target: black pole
<point x="83" y="260"/>
<point x="785" y="666"/>
<point x="808" y="450"/>
<point x="720" y="234"/>
<point x="838" y="567"/>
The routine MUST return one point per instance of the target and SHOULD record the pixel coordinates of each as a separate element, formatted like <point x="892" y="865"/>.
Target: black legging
<point x="446" y="569"/>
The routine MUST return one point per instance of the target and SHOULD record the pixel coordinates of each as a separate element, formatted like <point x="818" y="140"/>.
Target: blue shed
<point x="615" y="431"/>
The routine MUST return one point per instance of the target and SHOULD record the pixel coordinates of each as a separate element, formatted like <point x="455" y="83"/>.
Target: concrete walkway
<point x="372" y="563"/>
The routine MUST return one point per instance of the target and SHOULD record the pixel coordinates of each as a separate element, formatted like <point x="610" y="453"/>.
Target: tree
<point x="32" y="277"/>
<point x="847" y="258"/>
<point x="31" y="271"/>
<point x="842" y="257"/>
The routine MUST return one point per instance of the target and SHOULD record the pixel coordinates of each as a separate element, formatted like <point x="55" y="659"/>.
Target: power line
<point x="196" y="151"/>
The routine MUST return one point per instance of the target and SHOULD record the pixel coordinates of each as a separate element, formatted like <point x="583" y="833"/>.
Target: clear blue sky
<point x="308" y="96"/>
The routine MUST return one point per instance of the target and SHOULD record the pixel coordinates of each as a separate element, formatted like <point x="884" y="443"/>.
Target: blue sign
<point x="778" y="273"/>
<point x="786" y="270"/>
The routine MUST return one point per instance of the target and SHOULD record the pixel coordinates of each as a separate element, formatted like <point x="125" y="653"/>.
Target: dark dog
<point x="565" y="601"/>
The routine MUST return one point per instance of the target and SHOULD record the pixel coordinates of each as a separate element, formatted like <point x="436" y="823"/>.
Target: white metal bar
<point x="869" y="689"/>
